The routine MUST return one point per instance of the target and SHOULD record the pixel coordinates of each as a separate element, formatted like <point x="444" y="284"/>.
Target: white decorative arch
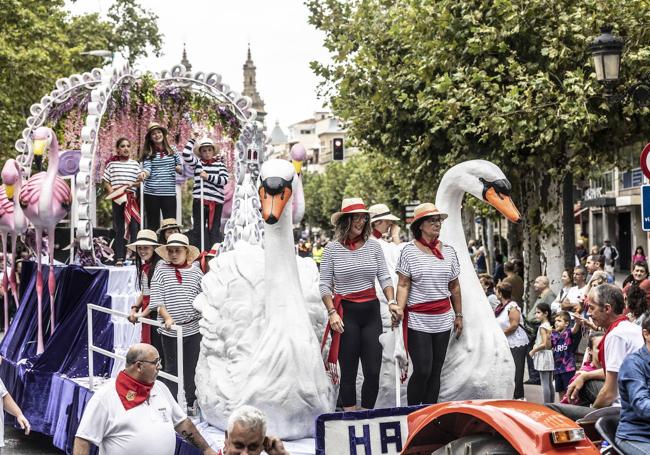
<point x="101" y="83"/>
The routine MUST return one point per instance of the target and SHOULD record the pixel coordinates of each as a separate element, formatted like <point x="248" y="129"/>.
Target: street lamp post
<point x="606" y="51"/>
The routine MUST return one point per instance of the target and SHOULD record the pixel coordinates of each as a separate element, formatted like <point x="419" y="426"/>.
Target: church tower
<point x="184" y="61"/>
<point x="250" y="87"/>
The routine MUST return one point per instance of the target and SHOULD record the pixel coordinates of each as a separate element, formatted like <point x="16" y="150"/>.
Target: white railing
<point x="179" y="349"/>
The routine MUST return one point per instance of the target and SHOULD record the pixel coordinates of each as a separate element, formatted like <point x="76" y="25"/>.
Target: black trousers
<point x="519" y="356"/>
<point x="427" y="351"/>
<point x="211" y="236"/>
<point x="153" y="205"/>
<point x="360" y="340"/>
<point x="191" y="348"/>
<point x="119" y="244"/>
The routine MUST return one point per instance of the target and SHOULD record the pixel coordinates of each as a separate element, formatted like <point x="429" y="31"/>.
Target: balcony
<point x="631" y="179"/>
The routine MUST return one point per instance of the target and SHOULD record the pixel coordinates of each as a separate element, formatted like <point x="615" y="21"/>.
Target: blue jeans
<point x="633" y="447"/>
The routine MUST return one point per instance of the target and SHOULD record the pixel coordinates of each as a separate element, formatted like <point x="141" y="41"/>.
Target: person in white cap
<point x="350" y="265"/>
<point x="428" y="302"/>
<point x="382" y="223"/>
<point x="174" y="286"/>
<point x="209" y="169"/>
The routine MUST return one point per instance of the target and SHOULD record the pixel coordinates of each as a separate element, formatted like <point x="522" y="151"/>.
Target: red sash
<point x="433" y="307"/>
<point x="333" y="356"/>
<point x="131" y="391"/>
<point x="212" y="209"/>
<point x="131" y="212"/>
<point x="145" y="334"/>
<point x="601" y="345"/>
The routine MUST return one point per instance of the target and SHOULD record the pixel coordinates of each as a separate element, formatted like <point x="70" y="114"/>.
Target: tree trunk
<point x="531" y="248"/>
<point x="568" y="221"/>
<point x="551" y="229"/>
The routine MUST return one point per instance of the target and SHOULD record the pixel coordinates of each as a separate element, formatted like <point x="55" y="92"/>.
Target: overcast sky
<point x="217" y="32"/>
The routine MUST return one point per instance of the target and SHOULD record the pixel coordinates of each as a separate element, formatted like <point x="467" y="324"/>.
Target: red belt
<point x="333" y="356"/>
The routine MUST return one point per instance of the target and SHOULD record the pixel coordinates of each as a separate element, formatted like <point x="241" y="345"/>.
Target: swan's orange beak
<point x="39" y="146"/>
<point x="273" y="204"/>
<point x="503" y="204"/>
<point x="9" y="191"/>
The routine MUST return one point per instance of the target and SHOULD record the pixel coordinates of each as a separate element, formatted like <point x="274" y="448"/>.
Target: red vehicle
<point x="494" y="426"/>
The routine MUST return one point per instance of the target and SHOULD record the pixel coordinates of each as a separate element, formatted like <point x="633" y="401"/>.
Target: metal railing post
<point x="179" y="369"/>
<point x="91" y="366"/>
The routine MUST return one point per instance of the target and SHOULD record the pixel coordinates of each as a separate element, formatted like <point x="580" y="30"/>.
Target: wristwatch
<point x="459" y="315"/>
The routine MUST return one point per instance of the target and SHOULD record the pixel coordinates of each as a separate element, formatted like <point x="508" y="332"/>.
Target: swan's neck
<point x="449" y="199"/>
<point x="281" y="271"/>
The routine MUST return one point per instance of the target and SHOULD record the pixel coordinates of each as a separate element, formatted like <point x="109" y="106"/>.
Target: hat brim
<point x="158" y="127"/>
<point x="442" y="216"/>
<point x="192" y="252"/>
<point x="388" y="217"/>
<point x="335" y="217"/>
<point x="197" y="148"/>
<point x="170" y="226"/>
<point x="133" y="246"/>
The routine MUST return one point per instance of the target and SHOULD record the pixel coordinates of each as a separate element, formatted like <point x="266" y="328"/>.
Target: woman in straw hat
<point x="174" y="286"/>
<point x="202" y="157"/>
<point x="428" y="302"/>
<point x="122" y="176"/>
<point x="168" y="226"/>
<point x="348" y="270"/>
<point x="160" y="163"/>
<point x="382" y="222"/>
<point x="146" y="260"/>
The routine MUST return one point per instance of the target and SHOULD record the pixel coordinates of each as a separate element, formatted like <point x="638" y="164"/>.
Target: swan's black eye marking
<point x="502" y="187"/>
<point x="275" y="185"/>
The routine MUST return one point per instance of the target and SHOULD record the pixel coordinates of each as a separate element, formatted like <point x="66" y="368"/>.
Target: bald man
<point x="135" y="414"/>
<point x="544" y="295"/>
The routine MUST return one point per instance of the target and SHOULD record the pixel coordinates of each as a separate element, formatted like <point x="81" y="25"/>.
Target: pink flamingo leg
<point x="12" y="276"/>
<point x="51" y="284"/>
<point x="39" y="292"/>
<point x="5" y="280"/>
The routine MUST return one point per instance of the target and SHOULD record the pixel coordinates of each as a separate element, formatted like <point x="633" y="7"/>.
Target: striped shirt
<point x="430" y="279"/>
<point x="213" y="187"/>
<point x="161" y="179"/>
<point x="118" y="173"/>
<point x="177" y="298"/>
<point x="343" y="271"/>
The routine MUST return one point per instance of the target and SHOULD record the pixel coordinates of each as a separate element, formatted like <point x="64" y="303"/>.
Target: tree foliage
<point x="41" y="42"/>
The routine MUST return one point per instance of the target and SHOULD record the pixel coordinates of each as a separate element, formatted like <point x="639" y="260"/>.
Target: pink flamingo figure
<point x="46" y="200"/>
<point x="14" y="223"/>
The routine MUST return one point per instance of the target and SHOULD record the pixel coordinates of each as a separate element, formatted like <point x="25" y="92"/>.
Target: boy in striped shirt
<point x="211" y="173"/>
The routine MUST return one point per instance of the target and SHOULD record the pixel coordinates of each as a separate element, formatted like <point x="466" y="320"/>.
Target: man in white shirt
<point x="622" y="337"/>
<point x="134" y="414"/>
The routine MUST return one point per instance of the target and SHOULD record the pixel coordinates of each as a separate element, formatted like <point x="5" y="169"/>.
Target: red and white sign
<point x="645" y="161"/>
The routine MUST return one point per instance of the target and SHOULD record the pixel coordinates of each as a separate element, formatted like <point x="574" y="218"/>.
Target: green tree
<point x="436" y="82"/>
<point x="41" y="42"/>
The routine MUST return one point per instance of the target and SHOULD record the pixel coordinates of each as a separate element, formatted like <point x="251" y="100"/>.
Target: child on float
<point x="209" y="170"/>
<point x="121" y="178"/>
<point x="161" y="163"/>
<point x="146" y="261"/>
<point x="174" y="286"/>
<point x="565" y="340"/>
<point x="10" y="407"/>
<point x="168" y="226"/>
<point x="542" y="352"/>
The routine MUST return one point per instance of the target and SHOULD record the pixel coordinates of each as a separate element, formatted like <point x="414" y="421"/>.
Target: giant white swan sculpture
<point x="479" y="364"/>
<point x="259" y="346"/>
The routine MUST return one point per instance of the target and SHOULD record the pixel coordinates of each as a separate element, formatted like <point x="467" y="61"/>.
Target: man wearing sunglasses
<point x="135" y="414"/>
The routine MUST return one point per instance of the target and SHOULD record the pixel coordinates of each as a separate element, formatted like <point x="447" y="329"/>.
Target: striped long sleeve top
<point x="343" y="271"/>
<point x="430" y="279"/>
<point x="213" y="187"/>
<point x="161" y="179"/>
<point x="177" y="298"/>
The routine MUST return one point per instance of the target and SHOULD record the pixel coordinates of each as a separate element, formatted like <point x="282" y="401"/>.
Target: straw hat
<point x="168" y="223"/>
<point x="426" y="210"/>
<point x="380" y="212"/>
<point x="145" y="237"/>
<point x="179" y="240"/>
<point x="156" y="126"/>
<point x="204" y="142"/>
<point x="349" y="205"/>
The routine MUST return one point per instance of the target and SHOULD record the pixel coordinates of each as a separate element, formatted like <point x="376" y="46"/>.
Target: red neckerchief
<point x="333" y="356"/>
<point x="208" y="162"/>
<point x="146" y="268"/>
<point x="376" y="234"/>
<point x="601" y="345"/>
<point x="118" y="158"/>
<point x="132" y="392"/>
<point x="499" y="308"/>
<point x="131" y="212"/>
<point x="433" y="246"/>
<point x="177" y="269"/>
<point x="160" y="149"/>
<point x="351" y="243"/>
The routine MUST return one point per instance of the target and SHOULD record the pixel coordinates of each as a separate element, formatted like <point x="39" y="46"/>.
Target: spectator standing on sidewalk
<point x="516" y="284"/>
<point x="610" y="253"/>
<point x="544" y="295"/>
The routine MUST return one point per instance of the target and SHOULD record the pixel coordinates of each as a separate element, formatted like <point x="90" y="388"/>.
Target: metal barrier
<point x="179" y="349"/>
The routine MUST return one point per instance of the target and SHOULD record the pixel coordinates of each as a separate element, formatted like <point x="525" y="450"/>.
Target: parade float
<point x="262" y="318"/>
